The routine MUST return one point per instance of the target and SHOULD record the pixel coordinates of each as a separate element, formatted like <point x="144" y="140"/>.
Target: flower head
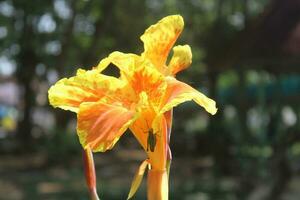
<point x="147" y="88"/>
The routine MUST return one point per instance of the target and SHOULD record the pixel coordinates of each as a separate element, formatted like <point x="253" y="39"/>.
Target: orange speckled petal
<point x="181" y="59"/>
<point x="100" y="125"/>
<point x="158" y="39"/>
<point x="86" y="86"/>
<point x="178" y="92"/>
<point x="145" y="78"/>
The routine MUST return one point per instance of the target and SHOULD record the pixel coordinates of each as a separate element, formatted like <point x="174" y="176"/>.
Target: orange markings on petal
<point x="147" y="79"/>
<point x="158" y="39"/>
<point x="178" y="92"/>
<point x="86" y="86"/>
<point x="100" y="125"/>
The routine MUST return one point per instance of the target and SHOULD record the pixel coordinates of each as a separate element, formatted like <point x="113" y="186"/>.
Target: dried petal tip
<point x="137" y="179"/>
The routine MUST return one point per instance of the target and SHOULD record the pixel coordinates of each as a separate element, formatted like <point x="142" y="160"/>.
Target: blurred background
<point x="246" y="56"/>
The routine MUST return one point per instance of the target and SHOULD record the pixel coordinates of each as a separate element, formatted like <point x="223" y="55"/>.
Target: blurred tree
<point x="27" y="38"/>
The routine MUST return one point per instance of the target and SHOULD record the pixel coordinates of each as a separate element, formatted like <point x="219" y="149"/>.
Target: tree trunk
<point x="25" y="74"/>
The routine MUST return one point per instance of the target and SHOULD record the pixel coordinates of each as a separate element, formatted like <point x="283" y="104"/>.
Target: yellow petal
<point x="158" y="39"/>
<point x="124" y="61"/>
<point x="181" y="59"/>
<point x="100" y="125"/>
<point x="86" y="86"/>
<point x="137" y="178"/>
<point x="178" y="92"/>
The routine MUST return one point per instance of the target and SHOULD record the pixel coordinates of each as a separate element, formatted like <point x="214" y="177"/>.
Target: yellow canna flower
<point x="140" y="99"/>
